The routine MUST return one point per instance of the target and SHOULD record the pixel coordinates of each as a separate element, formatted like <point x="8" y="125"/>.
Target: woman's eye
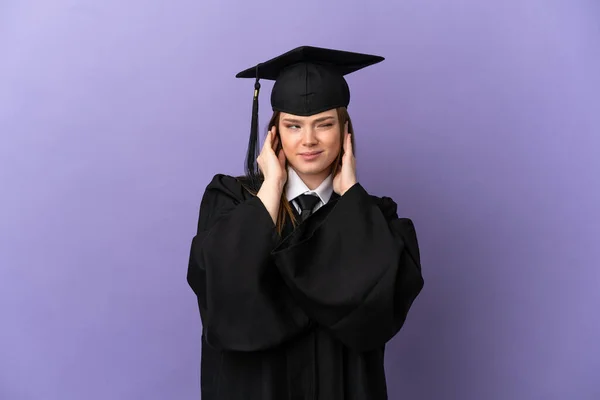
<point x="292" y="127"/>
<point x="326" y="125"/>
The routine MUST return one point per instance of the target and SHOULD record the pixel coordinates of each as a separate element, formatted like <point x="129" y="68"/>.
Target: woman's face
<point x="311" y="144"/>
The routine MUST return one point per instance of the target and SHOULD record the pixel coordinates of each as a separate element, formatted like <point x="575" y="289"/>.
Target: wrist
<point x="348" y="187"/>
<point x="275" y="184"/>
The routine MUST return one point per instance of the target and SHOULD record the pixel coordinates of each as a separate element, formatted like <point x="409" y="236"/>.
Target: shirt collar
<point x="296" y="187"/>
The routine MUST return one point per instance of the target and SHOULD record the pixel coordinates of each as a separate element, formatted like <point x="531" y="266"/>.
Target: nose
<point x="309" y="138"/>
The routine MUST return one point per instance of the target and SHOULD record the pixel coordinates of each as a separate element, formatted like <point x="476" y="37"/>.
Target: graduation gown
<point x="304" y="315"/>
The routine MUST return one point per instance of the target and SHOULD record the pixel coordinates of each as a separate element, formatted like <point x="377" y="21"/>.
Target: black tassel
<point x="252" y="170"/>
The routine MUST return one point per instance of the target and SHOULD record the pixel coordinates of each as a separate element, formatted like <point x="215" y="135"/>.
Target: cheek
<point x="287" y="144"/>
<point x="284" y="141"/>
<point x="333" y="143"/>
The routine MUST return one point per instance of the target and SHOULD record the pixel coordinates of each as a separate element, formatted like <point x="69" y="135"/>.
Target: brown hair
<point x="285" y="209"/>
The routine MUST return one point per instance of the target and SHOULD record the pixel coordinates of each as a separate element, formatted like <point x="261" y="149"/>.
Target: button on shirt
<point x="296" y="187"/>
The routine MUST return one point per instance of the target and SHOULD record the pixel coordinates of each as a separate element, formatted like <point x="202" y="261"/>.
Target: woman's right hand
<point x="272" y="165"/>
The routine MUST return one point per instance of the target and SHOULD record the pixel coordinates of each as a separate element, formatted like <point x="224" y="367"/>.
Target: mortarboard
<point x="308" y="80"/>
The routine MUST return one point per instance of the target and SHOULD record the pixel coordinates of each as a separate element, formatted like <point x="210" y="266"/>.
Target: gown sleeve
<point x="244" y="304"/>
<point x="355" y="270"/>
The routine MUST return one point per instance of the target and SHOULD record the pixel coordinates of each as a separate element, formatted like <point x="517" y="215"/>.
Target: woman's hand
<point x="272" y="165"/>
<point x="346" y="175"/>
<point x="273" y="168"/>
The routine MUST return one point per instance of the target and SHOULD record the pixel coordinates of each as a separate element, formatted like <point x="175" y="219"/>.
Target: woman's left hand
<point x="346" y="175"/>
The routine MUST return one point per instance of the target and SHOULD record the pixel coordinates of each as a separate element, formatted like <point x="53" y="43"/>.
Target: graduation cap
<point x="308" y="80"/>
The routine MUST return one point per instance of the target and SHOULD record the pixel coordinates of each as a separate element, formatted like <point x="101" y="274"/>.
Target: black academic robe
<point x="305" y="315"/>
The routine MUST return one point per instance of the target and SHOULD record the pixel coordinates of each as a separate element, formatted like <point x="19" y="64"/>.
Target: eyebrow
<point x="296" y="121"/>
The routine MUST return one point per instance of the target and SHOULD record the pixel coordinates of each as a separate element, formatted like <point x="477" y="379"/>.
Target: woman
<point x="301" y="276"/>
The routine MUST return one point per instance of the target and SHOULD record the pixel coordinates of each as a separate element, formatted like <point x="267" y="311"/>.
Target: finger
<point x="349" y="145"/>
<point x="346" y="143"/>
<point x="267" y="140"/>
<point x="274" y="134"/>
<point x="274" y="142"/>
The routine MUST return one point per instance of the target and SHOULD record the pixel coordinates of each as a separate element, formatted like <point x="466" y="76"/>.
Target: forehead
<point x="326" y="114"/>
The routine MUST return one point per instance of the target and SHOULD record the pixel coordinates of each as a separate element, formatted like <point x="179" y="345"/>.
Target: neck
<point x="313" y="181"/>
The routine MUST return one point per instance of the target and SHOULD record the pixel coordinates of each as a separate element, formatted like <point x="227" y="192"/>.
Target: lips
<point x="310" y="155"/>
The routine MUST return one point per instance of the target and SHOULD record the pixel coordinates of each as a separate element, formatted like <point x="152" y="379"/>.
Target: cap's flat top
<point x="342" y="62"/>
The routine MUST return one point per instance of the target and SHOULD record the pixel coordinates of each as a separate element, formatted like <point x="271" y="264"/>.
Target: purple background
<point x="483" y="124"/>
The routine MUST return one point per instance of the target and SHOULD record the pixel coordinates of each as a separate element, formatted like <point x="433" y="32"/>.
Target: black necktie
<point x="306" y="202"/>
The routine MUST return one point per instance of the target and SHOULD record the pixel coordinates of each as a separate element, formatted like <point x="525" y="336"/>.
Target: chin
<point x="310" y="168"/>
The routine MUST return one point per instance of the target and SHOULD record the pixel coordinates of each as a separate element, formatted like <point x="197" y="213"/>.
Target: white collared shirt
<point x="296" y="187"/>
